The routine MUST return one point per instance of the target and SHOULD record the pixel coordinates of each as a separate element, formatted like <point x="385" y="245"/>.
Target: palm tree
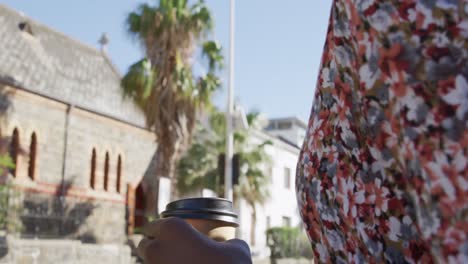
<point x="198" y="168"/>
<point x="253" y="186"/>
<point x="163" y="84"/>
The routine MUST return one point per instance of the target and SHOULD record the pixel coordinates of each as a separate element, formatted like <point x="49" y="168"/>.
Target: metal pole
<point x="228" y="192"/>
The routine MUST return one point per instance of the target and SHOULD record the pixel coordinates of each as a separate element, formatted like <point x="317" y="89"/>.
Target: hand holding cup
<point x="174" y="241"/>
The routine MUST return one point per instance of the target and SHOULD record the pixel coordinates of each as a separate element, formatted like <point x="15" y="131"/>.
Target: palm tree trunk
<point x="173" y="178"/>
<point x="158" y="161"/>
<point x="156" y="195"/>
<point x="178" y="153"/>
<point x="164" y="167"/>
<point x="253" y="224"/>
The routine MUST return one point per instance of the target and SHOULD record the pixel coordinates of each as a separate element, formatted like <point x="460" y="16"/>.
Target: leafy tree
<point x="5" y="191"/>
<point x="199" y="167"/>
<point x="163" y="84"/>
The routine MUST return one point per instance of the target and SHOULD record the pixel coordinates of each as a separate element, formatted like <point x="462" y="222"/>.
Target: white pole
<point x="228" y="192"/>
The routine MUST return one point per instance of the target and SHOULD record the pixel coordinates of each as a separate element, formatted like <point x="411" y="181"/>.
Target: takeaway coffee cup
<point x="213" y="217"/>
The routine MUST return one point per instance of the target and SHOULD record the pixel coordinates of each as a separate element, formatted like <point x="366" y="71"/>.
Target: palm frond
<point x="138" y="81"/>
<point x="140" y="23"/>
<point x="213" y="52"/>
<point x="201" y="17"/>
<point x="254" y="182"/>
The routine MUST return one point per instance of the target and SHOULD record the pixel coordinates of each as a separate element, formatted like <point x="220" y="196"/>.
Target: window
<point x="92" y="178"/>
<point x="284" y="125"/>
<point x="129" y="214"/>
<point x="287" y="178"/>
<point x="14" y="150"/>
<point x="270" y="173"/>
<point x="286" y="221"/>
<point x="139" y="213"/>
<point x="136" y="217"/>
<point x="32" y="157"/>
<point x="119" y="173"/>
<point x="106" y="172"/>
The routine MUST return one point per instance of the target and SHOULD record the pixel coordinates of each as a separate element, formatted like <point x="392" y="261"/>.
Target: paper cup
<point x="213" y="217"/>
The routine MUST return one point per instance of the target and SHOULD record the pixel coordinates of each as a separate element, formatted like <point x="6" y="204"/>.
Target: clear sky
<point x="278" y="43"/>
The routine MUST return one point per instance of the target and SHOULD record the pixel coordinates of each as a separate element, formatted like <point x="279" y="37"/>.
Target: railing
<point x="8" y="207"/>
<point x="41" y="216"/>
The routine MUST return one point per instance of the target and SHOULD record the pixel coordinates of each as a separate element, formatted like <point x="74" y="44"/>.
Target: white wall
<point x="282" y="201"/>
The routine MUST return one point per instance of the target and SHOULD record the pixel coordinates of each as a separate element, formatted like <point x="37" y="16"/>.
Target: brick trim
<point x="75" y="192"/>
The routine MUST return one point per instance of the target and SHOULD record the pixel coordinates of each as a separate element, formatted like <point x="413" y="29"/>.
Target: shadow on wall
<point x="150" y="185"/>
<point x="56" y="217"/>
<point x="141" y="206"/>
<point x="5" y="102"/>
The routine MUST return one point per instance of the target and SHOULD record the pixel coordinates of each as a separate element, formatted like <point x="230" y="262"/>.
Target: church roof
<point x="37" y="58"/>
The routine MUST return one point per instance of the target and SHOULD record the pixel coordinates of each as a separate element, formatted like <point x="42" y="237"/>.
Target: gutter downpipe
<point x="65" y="150"/>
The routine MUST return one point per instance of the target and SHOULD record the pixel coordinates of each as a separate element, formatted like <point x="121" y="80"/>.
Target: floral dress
<point x="383" y="174"/>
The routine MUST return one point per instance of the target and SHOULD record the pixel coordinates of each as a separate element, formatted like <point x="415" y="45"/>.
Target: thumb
<point x="239" y="247"/>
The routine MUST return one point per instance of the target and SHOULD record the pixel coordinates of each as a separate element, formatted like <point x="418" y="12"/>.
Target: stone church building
<point x="80" y="149"/>
<point x="84" y="158"/>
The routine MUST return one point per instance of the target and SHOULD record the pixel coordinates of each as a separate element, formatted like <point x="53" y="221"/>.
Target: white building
<point x="289" y="129"/>
<point x="281" y="209"/>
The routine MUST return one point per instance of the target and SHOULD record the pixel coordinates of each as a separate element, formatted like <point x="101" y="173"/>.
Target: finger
<point x="239" y="244"/>
<point x="142" y="246"/>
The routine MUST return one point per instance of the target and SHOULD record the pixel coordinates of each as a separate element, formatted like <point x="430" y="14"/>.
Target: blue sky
<point x="278" y="44"/>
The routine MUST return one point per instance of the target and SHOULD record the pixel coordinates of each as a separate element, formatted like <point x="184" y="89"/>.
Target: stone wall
<point x="86" y="130"/>
<point x="91" y="221"/>
<point x="37" y="251"/>
<point x="29" y="113"/>
<point x="60" y="192"/>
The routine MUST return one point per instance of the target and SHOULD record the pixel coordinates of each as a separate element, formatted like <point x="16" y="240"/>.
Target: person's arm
<point x="174" y="241"/>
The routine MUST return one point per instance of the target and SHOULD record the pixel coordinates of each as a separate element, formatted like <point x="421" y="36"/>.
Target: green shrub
<point x="9" y="207"/>
<point x="4" y="193"/>
<point x="288" y="243"/>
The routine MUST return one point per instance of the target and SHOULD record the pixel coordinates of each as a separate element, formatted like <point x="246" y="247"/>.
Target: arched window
<point x="119" y="173"/>
<point x="14" y="150"/>
<point x="139" y="213"/>
<point x="106" y="172"/>
<point x="92" y="178"/>
<point x="32" y="157"/>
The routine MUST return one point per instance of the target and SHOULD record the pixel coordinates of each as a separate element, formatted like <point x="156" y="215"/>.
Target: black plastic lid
<point x="202" y="208"/>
